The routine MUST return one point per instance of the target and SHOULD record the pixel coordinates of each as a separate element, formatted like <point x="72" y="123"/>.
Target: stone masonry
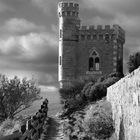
<point x="86" y="50"/>
<point x="125" y="100"/>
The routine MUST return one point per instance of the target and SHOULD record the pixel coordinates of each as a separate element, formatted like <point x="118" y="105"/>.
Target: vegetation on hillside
<point x="81" y="93"/>
<point x="16" y="95"/>
<point x="134" y="61"/>
<point x="84" y="105"/>
<point x="98" y="122"/>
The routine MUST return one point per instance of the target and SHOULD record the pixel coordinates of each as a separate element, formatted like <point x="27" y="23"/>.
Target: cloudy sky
<point x="29" y="33"/>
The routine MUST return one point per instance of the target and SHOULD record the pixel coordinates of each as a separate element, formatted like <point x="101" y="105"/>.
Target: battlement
<point x="68" y="8"/>
<point x="100" y="27"/>
<point x="114" y="32"/>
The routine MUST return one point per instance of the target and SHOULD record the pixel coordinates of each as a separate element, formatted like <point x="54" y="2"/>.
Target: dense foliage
<point x="134" y="61"/>
<point x="72" y="91"/>
<point x="96" y="91"/>
<point x="98" y="122"/>
<point x="16" y="95"/>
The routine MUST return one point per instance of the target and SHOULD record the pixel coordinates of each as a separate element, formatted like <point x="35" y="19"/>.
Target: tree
<point x="16" y="95"/>
<point x="134" y="61"/>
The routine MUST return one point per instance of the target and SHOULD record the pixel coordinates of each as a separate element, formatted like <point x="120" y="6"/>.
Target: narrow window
<point x="60" y="60"/>
<point x="88" y="37"/>
<point x="107" y="38"/>
<point x="82" y="37"/>
<point x="60" y="33"/>
<point x="90" y="64"/>
<point x="68" y="13"/>
<point x="63" y="13"/>
<point x="73" y="13"/>
<point x="97" y="63"/>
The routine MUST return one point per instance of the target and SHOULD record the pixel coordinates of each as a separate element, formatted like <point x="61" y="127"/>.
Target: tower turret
<point x="69" y="24"/>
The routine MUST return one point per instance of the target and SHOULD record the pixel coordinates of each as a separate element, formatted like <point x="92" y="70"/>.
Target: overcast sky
<point x="29" y="33"/>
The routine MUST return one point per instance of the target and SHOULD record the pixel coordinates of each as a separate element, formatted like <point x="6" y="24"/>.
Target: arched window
<point x="94" y="61"/>
<point x="97" y="63"/>
<point x="91" y="64"/>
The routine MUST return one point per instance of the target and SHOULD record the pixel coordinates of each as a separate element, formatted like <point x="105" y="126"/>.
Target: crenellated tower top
<point x="68" y="9"/>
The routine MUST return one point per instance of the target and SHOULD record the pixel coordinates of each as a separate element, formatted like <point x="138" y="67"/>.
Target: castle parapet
<point x="114" y="32"/>
<point x="100" y="27"/>
<point x="68" y="8"/>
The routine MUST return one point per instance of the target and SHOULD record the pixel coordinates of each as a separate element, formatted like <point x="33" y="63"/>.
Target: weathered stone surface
<point x="125" y="100"/>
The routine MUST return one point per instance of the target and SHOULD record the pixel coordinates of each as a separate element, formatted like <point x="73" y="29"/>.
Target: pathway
<point x="55" y="131"/>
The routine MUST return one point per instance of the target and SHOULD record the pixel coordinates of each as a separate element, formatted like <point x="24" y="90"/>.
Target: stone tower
<point x="86" y="51"/>
<point x="69" y="24"/>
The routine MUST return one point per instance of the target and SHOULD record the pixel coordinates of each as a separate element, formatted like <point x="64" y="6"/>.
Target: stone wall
<point x="125" y="100"/>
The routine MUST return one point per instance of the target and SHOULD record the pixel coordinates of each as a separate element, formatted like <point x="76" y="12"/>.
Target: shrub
<point x="98" y="90"/>
<point x="98" y="121"/>
<point x="134" y="61"/>
<point x="72" y="91"/>
<point x="86" y="90"/>
<point x="16" y="95"/>
<point x="110" y="81"/>
<point x="116" y="74"/>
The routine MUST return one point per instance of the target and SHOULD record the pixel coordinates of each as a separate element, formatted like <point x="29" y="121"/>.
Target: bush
<point x="98" y="121"/>
<point x="16" y="95"/>
<point x="134" y="61"/>
<point x="98" y="90"/>
<point x="72" y="91"/>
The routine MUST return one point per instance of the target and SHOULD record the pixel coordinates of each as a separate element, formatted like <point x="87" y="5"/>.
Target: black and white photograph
<point x="69" y="70"/>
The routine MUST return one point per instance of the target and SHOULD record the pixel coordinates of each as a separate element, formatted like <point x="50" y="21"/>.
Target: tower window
<point x="107" y="38"/>
<point x="88" y="37"/>
<point x="91" y="63"/>
<point x="94" y="61"/>
<point x="82" y="37"/>
<point x="63" y="4"/>
<point x="68" y="13"/>
<point x="73" y="13"/>
<point x="60" y="60"/>
<point x="63" y="13"/>
<point x="60" y="33"/>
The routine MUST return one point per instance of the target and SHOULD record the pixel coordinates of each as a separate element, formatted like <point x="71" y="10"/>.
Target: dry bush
<point x="98" y="121"/>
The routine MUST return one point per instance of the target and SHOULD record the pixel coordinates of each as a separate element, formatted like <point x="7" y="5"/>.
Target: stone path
<point x="55" y="130"/>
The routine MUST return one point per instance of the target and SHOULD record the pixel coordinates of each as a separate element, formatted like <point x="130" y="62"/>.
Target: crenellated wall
<point x="77" y="43"/>
<point x="125" y="100"/>
<point x="113" y="32"/>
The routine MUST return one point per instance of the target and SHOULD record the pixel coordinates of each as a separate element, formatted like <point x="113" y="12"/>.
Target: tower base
<point x="65" y="84"/>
